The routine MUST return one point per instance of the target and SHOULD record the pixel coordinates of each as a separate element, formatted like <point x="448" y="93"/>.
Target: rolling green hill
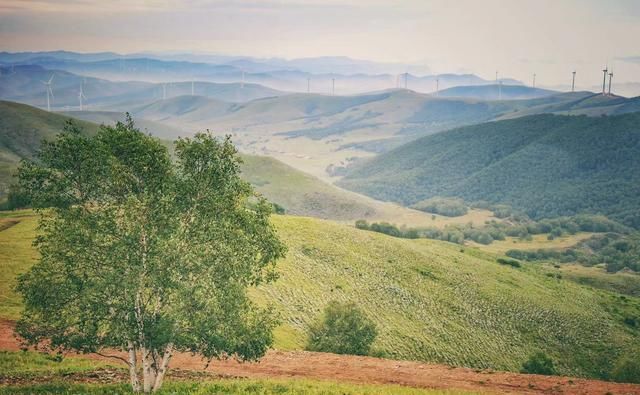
<point x="22" y="128"/>
<point x="546" y="165"/>
<point x="431" y="300"/>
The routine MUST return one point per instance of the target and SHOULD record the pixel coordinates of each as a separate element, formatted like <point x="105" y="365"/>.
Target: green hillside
<point x="157" y="129"/>
<point x="22" y="128"/>
<point x="431" y="300"/>
<point x="302" y="194"/>
<point x="546" y="165"/>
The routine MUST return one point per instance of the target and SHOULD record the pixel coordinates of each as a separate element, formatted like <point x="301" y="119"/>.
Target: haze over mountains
<point x="371" y="156"/>
<point x="320" y="75"/>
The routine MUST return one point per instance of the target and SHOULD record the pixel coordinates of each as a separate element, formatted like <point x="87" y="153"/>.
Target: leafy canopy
<point x="138" y="251"/>
<point x="342" y="329"/>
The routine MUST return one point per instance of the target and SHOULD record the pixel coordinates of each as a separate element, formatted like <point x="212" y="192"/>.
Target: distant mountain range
<point x="318" y="75"/>
<point x="546" y="165"/>
<point x="496" y="92"/>
<point x="24" y="83"/>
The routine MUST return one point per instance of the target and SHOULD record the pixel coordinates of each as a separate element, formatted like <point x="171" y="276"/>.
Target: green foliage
<point x="544" y="165"/>
<point x="627" y="369"/>
<point x="450" y="207"/>
<point x="342" y="329"/>
<point x="388" y="229"/>
<point x="22" y="129"/>
<point x="509" y="262"/>
<point x="539" y="363"/>
<point x="140" y="253"/>
<point x="616" y="251"/>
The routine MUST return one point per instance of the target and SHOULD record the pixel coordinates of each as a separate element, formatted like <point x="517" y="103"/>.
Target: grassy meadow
<point x="431" y="300"/>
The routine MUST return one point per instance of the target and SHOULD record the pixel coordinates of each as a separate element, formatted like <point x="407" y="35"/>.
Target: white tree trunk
<point x="162" y="369"/>
<point x="133" y="365"/>
<point x="148" y="376"/>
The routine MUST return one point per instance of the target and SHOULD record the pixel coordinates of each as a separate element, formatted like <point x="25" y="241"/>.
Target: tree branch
<point x="112" y="356"/>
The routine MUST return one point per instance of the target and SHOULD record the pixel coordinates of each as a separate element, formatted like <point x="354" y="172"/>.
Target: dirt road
<point x="334" y="367"/>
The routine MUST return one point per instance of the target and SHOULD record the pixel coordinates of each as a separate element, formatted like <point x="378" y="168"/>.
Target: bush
<point x="342" y="329"/>
<point x="538" y="363"/>
<point x="509" y="262"/>
<point x="626" y="370"/>
<point x="450" y="207"/>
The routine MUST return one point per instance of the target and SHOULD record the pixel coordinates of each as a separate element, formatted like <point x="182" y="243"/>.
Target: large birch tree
<point x="145" y="254"/>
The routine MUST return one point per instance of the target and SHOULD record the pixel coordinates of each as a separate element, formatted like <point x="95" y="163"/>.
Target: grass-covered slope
<point x="547" y="165"/>
<point x="22" y="128"/>
<point x="302" y="194"/>
<point x="431" y="300"/>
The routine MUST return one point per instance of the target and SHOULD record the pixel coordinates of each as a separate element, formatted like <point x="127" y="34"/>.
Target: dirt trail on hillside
<point x="302" y="364"/>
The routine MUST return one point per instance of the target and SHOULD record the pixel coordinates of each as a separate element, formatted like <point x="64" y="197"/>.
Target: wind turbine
<point x="333" y="87"/>
<point x="534" y="80"/>
<point x="500" y="90"/>
<point x="406" y="76"/>
<point x="573" y="81"/>
<point x="49" y="91"/>
<point x="164" y="91"/>
<point x="192" y="88"/>
<point x="604" y="79"/>
<point x="308" y="84"/>
<point x="81" y="96"/>
<point x="437" y="86"/>
<point x="610" y="78"/>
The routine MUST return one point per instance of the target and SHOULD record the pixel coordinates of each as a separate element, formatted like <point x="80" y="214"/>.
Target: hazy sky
<point x="517" y="37"/>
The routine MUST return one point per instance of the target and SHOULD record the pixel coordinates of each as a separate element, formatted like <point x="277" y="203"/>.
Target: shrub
<point x="342" y="329"/>
<point x="509" y="262"/>
<point x="538" y="363"/>
<point x="450" y="207"/>
<point x="626" y="370"/>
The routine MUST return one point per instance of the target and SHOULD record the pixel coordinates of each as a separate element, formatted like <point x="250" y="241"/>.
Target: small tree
<point x="143" y="254"/>
<point x="538" y="363"/>
<point x="342" y="329"/>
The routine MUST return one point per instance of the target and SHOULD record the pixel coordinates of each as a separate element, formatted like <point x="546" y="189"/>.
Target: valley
<point x="482" y="226"/>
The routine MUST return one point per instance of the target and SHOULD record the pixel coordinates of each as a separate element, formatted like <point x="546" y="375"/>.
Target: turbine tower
<point x="164" y="91"/>
<point x="406" y="75"/>
<point x="308" y="84"/>
<point x="81" y="96"/>
<point x="573" y="81"/>
<point x="192" y="88"/>
<point x="333" y="87"/>
<point x="49" y="91"/>
<point x="534" y="80"/>
<point x="610" y="78"/>
<point x="242" y="83"/>
<point x="604" y="79"/>
<point x="437" y="86"/>
<point x="500" y="90"/>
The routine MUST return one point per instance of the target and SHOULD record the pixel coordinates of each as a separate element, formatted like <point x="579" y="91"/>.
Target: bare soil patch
<point x="324" y="366"/>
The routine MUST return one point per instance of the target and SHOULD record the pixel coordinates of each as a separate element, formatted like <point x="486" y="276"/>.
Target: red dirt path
<point x="334" y="367"/>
